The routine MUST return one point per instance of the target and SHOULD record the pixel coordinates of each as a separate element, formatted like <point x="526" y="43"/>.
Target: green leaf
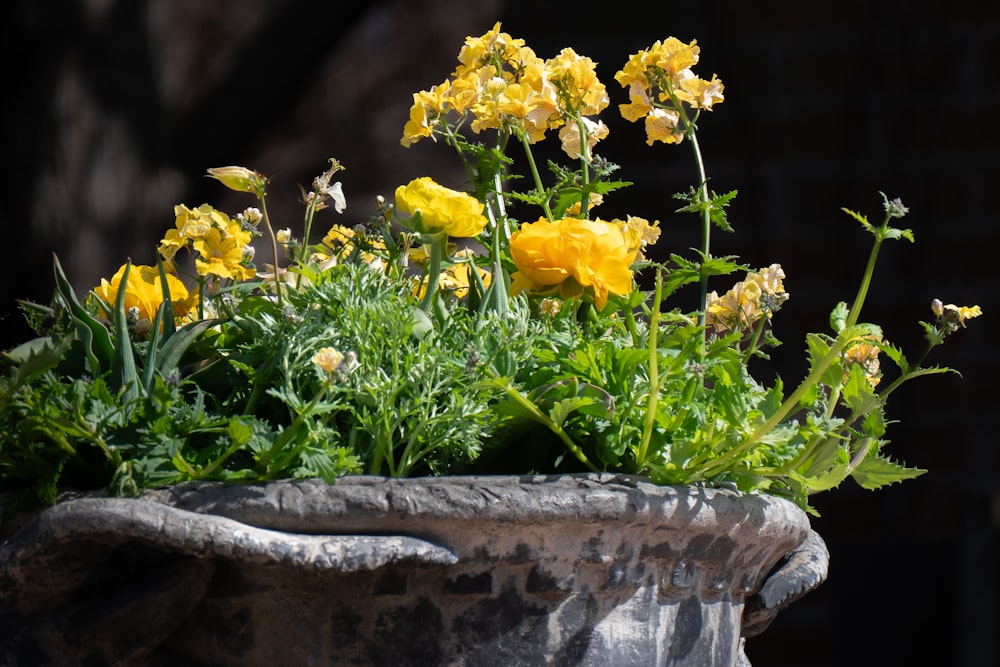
<point x="37" y="356"/>
<point x="863" y="219"/>
<point x="123" y="373"/>
<point x="173" y="348"/>
<point x="858" y="392"/>
<point x="818" y="347"/>
<point x="876" y="471"/>
<point x="838" y="317"/>
<point x="239" y="432"/>
<point x="716" y="206"/>
<point x="93" y="335"/>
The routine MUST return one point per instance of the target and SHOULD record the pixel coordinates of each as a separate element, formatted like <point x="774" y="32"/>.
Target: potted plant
<point x="446" y="435"/>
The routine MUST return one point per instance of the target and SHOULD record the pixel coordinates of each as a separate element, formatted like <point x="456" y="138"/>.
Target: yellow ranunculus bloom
<point x="441" y="208"/>
<point x="143" y="291"/>
<point x="573" y="255"/>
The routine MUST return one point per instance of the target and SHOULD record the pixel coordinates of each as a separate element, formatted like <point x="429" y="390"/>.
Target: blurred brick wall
<point x="129" y="102"/>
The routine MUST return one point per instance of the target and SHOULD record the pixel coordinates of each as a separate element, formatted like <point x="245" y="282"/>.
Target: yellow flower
<point x="663" y="125"/>
<point x="441" y="208"/>
<point x="759" y="295"/>
<point x="222" y="254"/>
<point x="573" y="255"/>
<point x="964" y="312"/>
<point x="699" y="93"/>
<point x="575" y="77"/>
<point x="240" y="179"/>
<point x="143" y="291"/>
<point x="668" y="58"/>
<point x="328" y="360"/>
<point x="950" y="317"/>
<point x="428" y="105"/>
<point x="570" y="136"/>
<point x="189" y="225"/>
<point x="343" y="242"/>
<point x="639" y="104"/>
<point x="639" y="233"/>
<point x="864" y="352"/>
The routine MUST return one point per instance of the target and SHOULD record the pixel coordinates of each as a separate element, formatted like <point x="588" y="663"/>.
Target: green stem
<point x="706" y="219"/>
<point x="654" y="373"/>
<point x="584" y="168"/>
<point x="537" y="178"/>
<point x="866" y="280"/>
<point x="438" y="241"/>
<point x="790" y="404"/>
<point x="274" y="246"/>
<point x="289" y="433"/>
<point x="859" y="300"/>
<point x="544" y="419"/>
<point x="306" y="231"/>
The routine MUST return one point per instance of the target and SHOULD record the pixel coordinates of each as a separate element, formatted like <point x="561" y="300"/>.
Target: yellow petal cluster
<point x="222" y="245"/>
<point x="502" y="85"/>
<point x="341" y="243"/>
<point x="660" y="80"/>
<point x="761" y="294"/>
<point x="441" y="208"/>
<point x="864" y="352"/>
<point x="574" y="256"/>
<point x="144" y="292"/>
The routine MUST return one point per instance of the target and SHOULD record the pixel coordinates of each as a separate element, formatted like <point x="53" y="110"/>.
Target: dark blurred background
<point x="115" y="108"/>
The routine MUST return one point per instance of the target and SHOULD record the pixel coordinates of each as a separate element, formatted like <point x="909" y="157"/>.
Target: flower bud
<point x="239" y="179"/>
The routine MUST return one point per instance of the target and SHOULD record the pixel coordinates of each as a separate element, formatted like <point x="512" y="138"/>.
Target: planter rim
<point x="373" y="504"/>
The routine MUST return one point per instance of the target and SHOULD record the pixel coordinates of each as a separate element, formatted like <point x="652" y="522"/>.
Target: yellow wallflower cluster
<point x="864" y="352"/>
<point x="571" y="255"/>
<point x="760" y="295"/>
<point x="341" y="243"/>
<point x="501" y="84"/>
<point x="659" y="80"/>
<point x="222" y="245"/>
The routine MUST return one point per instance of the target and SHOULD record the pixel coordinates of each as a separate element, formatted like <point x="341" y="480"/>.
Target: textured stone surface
<point x="569" y="570"/>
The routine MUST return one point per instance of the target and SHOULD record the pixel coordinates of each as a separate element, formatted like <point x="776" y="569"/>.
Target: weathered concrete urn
<point x="558" y="570"/>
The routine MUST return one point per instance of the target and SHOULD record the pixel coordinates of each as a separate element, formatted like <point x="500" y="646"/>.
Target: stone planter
<point x="560" y="570"/>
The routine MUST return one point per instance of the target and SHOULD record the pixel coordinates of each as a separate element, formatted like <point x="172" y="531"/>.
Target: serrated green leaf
<point x="37" y="356"/>
<point x="863" y="219"/>
<point x="858" y="393"/>
<point x="239" y="432"/>
<point x="876" y="471"/>
<point x="827" y="480"/>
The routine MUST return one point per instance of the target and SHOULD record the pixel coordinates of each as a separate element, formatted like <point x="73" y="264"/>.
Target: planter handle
<point x="800" y="572"/>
